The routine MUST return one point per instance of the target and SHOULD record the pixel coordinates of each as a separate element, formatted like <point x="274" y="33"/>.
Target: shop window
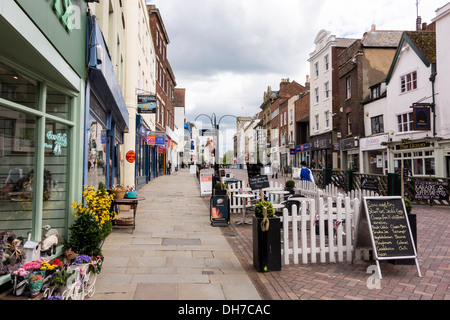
<point x="418" y="167"/>
<point x="18" y="88"/>
<point x="17" y="153"/>
<point x="55" y="187"/>
<point x="57" y="104"/>
<point x="97" y="151"/>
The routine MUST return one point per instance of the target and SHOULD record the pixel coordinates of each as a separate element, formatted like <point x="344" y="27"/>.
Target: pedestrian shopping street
<point x="174" y="253"/>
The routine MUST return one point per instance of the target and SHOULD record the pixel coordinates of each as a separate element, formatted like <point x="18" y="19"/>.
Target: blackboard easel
<point x="384" y="227"/>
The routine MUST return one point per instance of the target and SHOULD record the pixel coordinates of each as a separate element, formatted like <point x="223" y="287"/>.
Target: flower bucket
<point x="36" y="285"/>
<point x="19" y="286"/>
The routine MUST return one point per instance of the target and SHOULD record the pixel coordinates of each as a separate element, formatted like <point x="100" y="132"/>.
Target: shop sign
<point x="414" y="145"/>
<point x="131" y="156"/>
<point x="151" y="138"/>
<point x="160" y="138"/>
<point x="422" y="118"/>
<point x="373" y="143"/>
<point x="321" y="143"/>
<point x="60" y="140"/>
<point x="161" y="149"/>
<point x="350" y="143"/>
<point x="69" y="14"/>
<point x="302" y="148"/>
<point x="146" y="104"/>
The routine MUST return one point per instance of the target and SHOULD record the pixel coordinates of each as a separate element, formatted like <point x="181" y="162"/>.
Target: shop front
<point x="42" y="94"/>
<point x="322" y="150"/>
<point x="374" y="155"/>
<point x="106" y="114"/>
<point x="350" y="153"/>
<point x="417" y="158"/>
<point x="303" y="154"/>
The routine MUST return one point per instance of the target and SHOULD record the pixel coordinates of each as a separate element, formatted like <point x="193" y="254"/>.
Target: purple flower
<point x="83" y="259"/>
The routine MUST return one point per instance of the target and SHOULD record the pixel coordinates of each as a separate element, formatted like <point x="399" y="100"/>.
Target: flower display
<point x="93" y="221"/>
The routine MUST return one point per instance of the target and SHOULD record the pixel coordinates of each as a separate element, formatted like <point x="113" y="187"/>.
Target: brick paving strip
<point x="347" y="281"/>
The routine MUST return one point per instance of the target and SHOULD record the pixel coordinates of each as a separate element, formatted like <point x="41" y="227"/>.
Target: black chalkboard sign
<point x="431" y="190"/>
<point x="254" y="169"/>
<point x="384" y="221"/>
<point x="370" y="184"/>
<point x="258" y="182"/>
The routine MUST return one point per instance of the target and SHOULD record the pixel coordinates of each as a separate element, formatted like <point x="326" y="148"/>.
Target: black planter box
<point x="218" y="192"/>
<point x="267" y="245"/>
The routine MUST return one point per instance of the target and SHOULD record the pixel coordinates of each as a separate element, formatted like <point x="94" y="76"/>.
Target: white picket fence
<point x="236" y="203"/>
<point x="300" y="241"/>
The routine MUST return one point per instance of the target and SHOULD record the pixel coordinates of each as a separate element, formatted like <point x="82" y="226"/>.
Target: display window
<point x="35" y="131"/>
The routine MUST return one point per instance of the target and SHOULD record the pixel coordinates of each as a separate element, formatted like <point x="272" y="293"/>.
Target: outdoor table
<point x="133" y="203"/>
<point x="277" y="192"/>
<point x="245" y="197"/>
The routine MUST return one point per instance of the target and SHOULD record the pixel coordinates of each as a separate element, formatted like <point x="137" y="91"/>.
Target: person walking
<point x="305" y="173"/>
<point x="275" y="168"/>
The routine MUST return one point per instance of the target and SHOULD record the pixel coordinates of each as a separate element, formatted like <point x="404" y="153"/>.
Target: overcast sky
<point x="225" y="53"/>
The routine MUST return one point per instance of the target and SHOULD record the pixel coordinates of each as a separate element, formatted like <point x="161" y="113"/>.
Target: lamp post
<point x="215" y="126"/>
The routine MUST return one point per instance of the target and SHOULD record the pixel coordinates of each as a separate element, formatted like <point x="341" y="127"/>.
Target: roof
<point x="423" y="44"/>
<point x="380" y="38"/>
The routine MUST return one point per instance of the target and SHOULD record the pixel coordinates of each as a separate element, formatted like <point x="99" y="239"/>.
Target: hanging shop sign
<point x="151" y="138"/>
<point x="422" y="118"/>
<point x="146" y="104"/>
<point x="131" y="156"/>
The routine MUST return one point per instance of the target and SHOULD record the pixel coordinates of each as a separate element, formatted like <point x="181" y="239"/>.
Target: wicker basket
<point x="119" y="192"/>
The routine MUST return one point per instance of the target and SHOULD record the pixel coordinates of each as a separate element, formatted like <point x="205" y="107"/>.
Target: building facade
<point x="324" y="98"/>
<point x="362" y="66"/>
<point x="42" y="98"/>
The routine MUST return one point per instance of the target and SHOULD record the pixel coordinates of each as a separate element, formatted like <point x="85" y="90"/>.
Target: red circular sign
<point x="131" y="156"/>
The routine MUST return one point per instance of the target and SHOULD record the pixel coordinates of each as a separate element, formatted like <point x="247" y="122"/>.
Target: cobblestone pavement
<point x="347" y="281"/>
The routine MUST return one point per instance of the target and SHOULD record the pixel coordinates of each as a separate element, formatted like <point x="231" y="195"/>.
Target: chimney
<point x="374" y="27"/>
<point x="284" y="82"/>
<point x="307" y="83"/>
<point x="418" y="23"/>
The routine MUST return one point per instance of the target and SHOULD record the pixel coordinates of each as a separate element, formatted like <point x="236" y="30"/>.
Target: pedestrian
<point x="305" y="173"/>
<point x="275" y="168"/>
<point x="169" y="167"/>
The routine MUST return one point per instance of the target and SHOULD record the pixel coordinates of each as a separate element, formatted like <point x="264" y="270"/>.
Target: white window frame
<point x="408" y="82"/>
<point x="317" y="122"/>
<point x="327" y="62"/>
<point x="327" y="89"/>
<point x="348" y="83"/>
<point x="316" y="92"/>
<point x="402" y="122"/>
<point x="327" y="119"/>
<point x="316" y="69"/>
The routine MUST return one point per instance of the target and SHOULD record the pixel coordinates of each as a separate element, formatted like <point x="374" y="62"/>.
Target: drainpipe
<point x="433" y="104"/>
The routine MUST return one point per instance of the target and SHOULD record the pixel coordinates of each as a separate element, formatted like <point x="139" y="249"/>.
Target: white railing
<point x="322" y="233"/>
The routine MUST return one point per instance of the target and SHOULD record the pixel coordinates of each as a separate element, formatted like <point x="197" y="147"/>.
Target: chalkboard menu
<point x="258" y="182"/>
<point x="384" y="221"/>
<point x="431" y="190"/>
<point x="390" y="227"/>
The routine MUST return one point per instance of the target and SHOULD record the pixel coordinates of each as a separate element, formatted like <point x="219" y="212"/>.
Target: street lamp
<point x="215" y="126"/>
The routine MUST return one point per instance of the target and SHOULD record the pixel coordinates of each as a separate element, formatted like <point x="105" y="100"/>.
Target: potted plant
<point x="266" y="238"/>
<point x="220" y="189"/>
<point x="93" y="222"/>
